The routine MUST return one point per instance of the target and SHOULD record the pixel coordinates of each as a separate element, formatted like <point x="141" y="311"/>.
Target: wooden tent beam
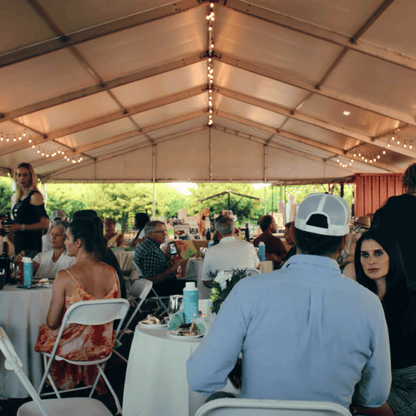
<point x="118" y="115"/>
<point x="331" y="149"/>
<point x="323" y="91"/>
<point x="98" y="31"/>
<point x="319" y="32"/>
<point x="309" y="120"/>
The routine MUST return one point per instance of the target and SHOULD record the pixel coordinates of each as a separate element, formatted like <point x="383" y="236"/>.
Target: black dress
<point x="397" y="218"/>
<point x="26" y="213"/>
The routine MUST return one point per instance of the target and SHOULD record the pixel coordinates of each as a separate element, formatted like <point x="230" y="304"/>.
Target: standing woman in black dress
<point x="30" y="220"/>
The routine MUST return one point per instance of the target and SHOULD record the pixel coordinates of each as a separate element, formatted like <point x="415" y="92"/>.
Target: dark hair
<point x="396" y="271"/>
<point x="409" y="179"/>
<point x="265" y="221"/>
<point x="141" y="219"/>
<point x="113" y="221"/>
<point x="89" y="232"/>
<point x="317" y="244"/>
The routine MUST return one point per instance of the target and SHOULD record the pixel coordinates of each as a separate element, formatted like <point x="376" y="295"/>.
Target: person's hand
<point x="19" y="257"/>
<point x="12" y="228"/>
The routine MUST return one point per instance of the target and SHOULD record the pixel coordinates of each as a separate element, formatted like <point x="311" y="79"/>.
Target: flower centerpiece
<point x="222" y="284"/>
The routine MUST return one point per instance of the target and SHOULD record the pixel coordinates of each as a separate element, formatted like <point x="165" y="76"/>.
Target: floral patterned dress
<point x="78" y="342"/>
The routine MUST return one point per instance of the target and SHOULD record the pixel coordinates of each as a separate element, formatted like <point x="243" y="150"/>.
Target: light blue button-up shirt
<point x="306" y="333"/>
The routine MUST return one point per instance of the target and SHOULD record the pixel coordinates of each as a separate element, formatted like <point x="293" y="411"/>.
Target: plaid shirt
<point x="150" y="258"/>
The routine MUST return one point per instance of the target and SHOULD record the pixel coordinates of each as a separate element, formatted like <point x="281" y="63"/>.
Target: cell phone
<point x="172" y="248"/>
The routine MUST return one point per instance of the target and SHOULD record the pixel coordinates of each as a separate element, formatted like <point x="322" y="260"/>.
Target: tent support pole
<point x="154" y="180"/>
<point x="265" y="178"/>
<point x="210" y="154"/>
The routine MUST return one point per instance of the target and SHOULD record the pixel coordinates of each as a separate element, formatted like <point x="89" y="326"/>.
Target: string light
<point x="16" y="136"/>
<point x="210" y="69"/>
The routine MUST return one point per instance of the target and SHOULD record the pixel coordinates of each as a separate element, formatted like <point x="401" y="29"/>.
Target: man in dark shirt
<point x="154" y="265"/>
<point x="275" y="250"/>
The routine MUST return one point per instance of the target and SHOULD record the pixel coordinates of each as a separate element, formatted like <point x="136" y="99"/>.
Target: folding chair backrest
<point x="251" y="407"/>
<point x="250" y="271"/>
<point x="139" y="270"/>
<point x="13" y="363"/>
<point x="141" y="288"/>
<point x="96" y="312"/>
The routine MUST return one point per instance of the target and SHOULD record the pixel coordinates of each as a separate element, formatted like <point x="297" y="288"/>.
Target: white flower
<point x="222" y="278"/>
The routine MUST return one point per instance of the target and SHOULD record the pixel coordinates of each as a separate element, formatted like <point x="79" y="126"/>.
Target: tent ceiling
<point x="303" y="89"/>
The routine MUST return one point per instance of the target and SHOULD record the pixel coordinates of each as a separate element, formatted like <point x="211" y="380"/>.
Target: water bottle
<point x="190" y="302"/>
<point x="262" y="251"/>
<point x="27" y="272"/>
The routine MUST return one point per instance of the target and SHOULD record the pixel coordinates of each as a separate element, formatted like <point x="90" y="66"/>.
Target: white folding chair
<point x="138" y="294"/>
<point x="158" y="299"/>
<point x="52" y="407"/>
<point x="256" y="407"/>
<point x="92" y="312"/>
<point x="250" y="271"/>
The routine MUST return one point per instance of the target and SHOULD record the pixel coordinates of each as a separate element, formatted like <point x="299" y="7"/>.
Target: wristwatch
<point x="22" y="227"/>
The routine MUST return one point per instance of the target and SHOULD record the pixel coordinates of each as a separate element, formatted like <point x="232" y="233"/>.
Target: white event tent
<point x="121" y="91"/>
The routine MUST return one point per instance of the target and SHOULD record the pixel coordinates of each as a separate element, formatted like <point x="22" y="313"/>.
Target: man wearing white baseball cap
<point x="305" y="331"/>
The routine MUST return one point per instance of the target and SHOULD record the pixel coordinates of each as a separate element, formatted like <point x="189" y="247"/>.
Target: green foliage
<point x="244" y="208"/>
<point x="222" y="284"/>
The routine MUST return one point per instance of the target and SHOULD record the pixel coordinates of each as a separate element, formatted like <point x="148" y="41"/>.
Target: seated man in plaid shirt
<point x="153" y="263"/>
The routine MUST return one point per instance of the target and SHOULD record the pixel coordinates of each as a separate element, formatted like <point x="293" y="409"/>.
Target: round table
<point x="156" y="382"/>
<point x="22" y="312"/>
<point x="125" y="259"/>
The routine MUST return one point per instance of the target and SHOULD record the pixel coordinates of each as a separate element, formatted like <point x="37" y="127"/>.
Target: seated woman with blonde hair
<point x="88" y="279"/>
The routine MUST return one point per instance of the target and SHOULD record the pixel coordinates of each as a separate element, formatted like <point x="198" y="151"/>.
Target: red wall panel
<point x="372" y="190"/>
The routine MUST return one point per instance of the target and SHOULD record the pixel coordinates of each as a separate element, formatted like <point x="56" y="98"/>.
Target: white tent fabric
<point x="302" y="89"/>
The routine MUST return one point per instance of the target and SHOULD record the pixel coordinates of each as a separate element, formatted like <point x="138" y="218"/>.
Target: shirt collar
<point x="152" y="242"/>
<point x="308" y="259"/>
<point x="228" y="239"/>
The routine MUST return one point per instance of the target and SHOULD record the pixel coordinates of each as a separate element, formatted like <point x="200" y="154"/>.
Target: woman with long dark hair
<point x="88" y="279"/>
<point x="379" y="267"/>
<point x="140" y="220"/>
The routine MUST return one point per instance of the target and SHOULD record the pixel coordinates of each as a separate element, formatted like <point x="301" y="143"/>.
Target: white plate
<point x="152" y="326"/>
<point x="183" y="337"/>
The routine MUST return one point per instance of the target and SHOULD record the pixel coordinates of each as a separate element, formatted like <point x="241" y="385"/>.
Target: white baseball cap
<point x="332" y="207"/>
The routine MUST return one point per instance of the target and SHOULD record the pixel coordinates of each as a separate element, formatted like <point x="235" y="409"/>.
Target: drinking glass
<point x="175" y="304"/>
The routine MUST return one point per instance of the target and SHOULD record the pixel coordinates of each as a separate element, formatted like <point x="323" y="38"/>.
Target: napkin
<point x="203" y="324"/>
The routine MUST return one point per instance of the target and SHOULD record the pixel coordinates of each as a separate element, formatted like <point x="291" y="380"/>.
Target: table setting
<point x="124" y="257"/>
<point x="156" y="383"/>
<point x="22" y="311"/>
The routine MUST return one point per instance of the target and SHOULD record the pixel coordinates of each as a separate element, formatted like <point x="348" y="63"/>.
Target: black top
<point x="26" y="213"/>
<point x="399" y="307"/>
<point x="398" y="219"/>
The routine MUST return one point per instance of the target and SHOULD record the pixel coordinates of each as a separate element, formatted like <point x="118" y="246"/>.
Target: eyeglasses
<point x="160" y="232"/>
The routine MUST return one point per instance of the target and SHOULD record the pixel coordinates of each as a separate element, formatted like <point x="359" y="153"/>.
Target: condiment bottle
<point x="190" y="302"/>
<point x="262" y="251"/>
<point x="27" y="272"/>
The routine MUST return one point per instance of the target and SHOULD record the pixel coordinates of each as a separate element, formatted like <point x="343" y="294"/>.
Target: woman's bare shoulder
<point x="36" y="198"/>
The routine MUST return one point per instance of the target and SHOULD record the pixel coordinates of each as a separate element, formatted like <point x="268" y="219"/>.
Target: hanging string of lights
<point x="395" y="138"/>
<point x="210" y="69"/>
<point x="15" y="137"/>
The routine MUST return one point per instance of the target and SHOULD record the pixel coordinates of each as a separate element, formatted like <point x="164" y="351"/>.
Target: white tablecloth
<point x="194" y="272"/>
<point x="155" y="382"/>
<point x="125" y="259"/>
<point x="22" y="312"/>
